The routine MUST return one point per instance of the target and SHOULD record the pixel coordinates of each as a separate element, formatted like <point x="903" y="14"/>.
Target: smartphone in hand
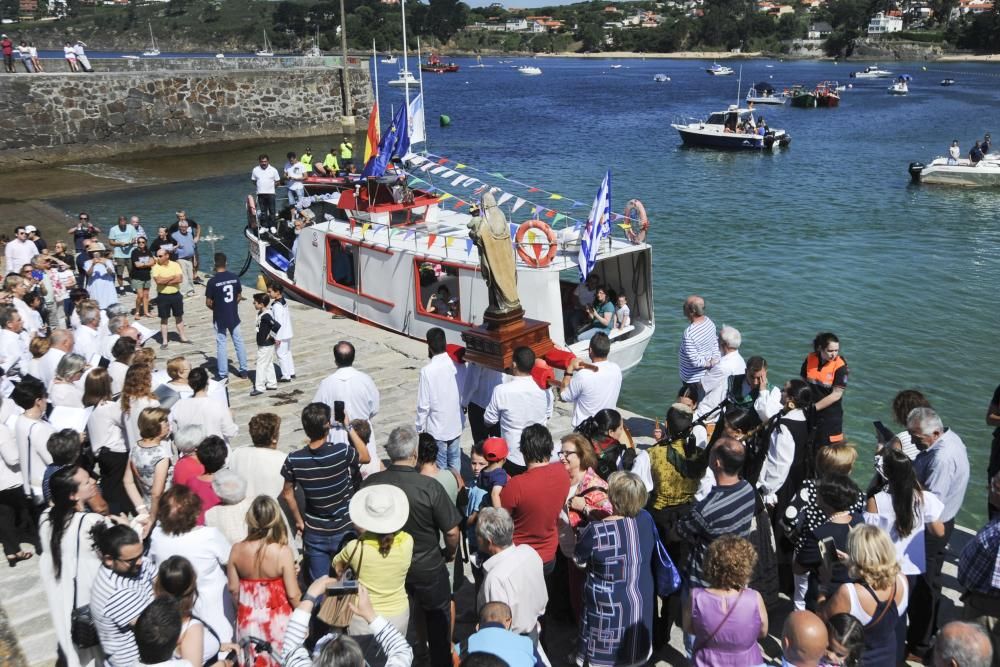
<point x="338" y="412"/>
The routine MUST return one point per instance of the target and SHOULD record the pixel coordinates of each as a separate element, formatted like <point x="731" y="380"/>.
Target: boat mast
<point x="375" y="67"/>
<point x="739" y="85"/>
<point x="409" y="125"/>
<point x="406" y="65"/>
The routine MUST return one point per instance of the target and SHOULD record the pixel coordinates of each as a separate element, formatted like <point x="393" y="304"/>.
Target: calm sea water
<point x="825" y="236"/>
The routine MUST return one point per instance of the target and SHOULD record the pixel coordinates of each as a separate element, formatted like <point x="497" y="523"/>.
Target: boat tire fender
<point x="529" y="258"/>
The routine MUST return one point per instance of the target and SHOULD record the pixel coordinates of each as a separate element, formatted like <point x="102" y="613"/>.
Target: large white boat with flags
<point x="392" y="248"/>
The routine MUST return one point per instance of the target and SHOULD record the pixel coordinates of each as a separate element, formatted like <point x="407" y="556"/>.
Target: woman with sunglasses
<point x="141" y="262"/>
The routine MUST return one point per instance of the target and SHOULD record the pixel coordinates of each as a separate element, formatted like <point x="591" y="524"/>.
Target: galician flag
<point x="371" y="140"/>
<point x="598" y="227"/>
<point x="418" y="131"/>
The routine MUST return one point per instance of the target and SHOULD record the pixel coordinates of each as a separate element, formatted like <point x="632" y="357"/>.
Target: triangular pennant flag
<point x="458" y="180"/>
<point x="431" y="239"/>
<point x="426" y="166"/>
<point x="549" y="213"/>
<point x="496" y="173"/>
<point x="393" y="232"/>
<point x="443" y="160"/>
<point x="438" y="170"/>
<point x="379" y="228"/>
<point x="448" y="240"/>
<point x="364" y="228"/>
<point x="459" y="204"/>
<point x="533" y="190"/>
<point x="624" y="225"/>
<point x="459" y="166"/>
<point x="504" y="197"/>
<point x="447" y="173"/>
<point x="468" y="246"/>
<point x="559" y="216"/>
<point x="417" y="160"/>
<point x="555" y="196"/>
<point x="534" y="210"/>
<point x="517" y="204"/>
<point x="410" y="233"/>
<point x="576" y="203"/>
<point x="446" y="195"/>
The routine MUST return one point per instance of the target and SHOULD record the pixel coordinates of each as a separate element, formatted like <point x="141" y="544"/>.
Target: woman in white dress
<point x="100" y="272"/>
<point x="65" y="391"/>
<point x="177" y="534"/>
<point x="69" y="556"/>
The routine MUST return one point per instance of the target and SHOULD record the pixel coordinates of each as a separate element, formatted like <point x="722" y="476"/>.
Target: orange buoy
<point x="535" y="258"/>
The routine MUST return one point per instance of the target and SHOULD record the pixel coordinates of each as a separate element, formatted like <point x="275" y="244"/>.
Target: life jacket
<point x="822" y="376"/>
<point x="346" y="151"/>
<point x="307" y="160"/>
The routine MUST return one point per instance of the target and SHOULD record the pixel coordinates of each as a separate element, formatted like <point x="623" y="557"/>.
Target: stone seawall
<point x="61" y="117"/>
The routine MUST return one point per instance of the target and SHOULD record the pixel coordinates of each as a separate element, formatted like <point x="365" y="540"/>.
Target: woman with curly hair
<point x="137" y="395"/>
<point x="727" y="618"/>
<point x="877" y="597"/>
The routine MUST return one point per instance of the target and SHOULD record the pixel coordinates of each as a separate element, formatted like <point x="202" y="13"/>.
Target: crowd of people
<point x="164" y="539"/>
<point x="75" y="55"/>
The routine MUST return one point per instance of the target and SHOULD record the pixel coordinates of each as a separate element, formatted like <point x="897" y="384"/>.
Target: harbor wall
<point x="60" y="117"/>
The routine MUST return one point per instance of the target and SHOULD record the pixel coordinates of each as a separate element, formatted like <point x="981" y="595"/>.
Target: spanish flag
<point x="371" y="141"/>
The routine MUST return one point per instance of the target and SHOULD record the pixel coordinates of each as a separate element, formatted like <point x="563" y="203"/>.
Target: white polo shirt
<point x="593" y="391"/>
<point x="516" y="404"/>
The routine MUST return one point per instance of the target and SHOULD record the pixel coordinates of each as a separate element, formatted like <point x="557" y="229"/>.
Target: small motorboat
<point x="732" y="129"/>
<point x="220" y="56"/>
<point x="405" y="78"/>
<point x="529" y="70"/>
<point x="435" y="65"/>
<point x="827" y="95"/>
<point x="763" y="93"/>
<point x="901" y="86"/>
<point x="947" y="82"/>
<point x="945" y="171"/>
<point x="720" y="70"/>
<point x="873" y="72"/>
<point x="616" y="67"/>
<point x="661" y="78"/>
<point x="390" y="60"/>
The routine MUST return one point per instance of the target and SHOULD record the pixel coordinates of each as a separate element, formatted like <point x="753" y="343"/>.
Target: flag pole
<point x="422" y="100"/>
<point x="375" y="66"/>
<point x="406" y="62"/>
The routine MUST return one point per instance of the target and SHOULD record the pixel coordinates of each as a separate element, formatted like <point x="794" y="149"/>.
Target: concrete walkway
<point x="27" y="638"/>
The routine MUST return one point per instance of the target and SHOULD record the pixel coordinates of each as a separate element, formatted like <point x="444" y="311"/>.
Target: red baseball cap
<point x="495" y="449"/>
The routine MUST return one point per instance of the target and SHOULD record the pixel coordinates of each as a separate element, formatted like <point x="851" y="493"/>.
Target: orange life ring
<point x="536" y="260"/>
<point x="251" y="211"/>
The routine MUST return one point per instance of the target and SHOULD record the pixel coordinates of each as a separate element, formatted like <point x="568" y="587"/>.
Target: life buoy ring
<point x="635" y="206"/>
<point x="251" y="212"/>
<point x="536" y="259"/>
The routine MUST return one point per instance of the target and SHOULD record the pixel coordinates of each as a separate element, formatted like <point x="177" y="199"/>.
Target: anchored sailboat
<point x="266" y="52"/>
<point x="153" y="50"/>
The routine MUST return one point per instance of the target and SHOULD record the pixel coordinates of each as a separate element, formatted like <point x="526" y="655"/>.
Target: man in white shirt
<point x="358" y="392"/>
<point x="439" y="403"/>
<point x="87" y="337"/>
<point x="517" y="403"/>
<point x="19" y="251"/>
<point x="60" y="344"/>
<point x="14" y="354"/>
<point x="265" y="177"/>
<point x="715" y="381"/>
<point x="295" y="172"/>
<point x="514" y="574"/>
<point x="589" y="390"/>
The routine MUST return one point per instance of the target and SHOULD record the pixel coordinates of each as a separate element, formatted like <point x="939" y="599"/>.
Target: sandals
<point x="18" y="557"/>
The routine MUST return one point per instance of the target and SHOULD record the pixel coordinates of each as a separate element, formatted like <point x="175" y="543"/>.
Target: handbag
<point x="336" y="608"/>
<point x="708" y="640"/>
<point x="82" y="630"/>
<point x="665" y="574"/>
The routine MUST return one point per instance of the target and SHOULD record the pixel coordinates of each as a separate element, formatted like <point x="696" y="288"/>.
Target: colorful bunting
<point x="448" y="241"/>
<point x="468" y="246"/>
<point x="459" y="166"/>
<point x="443" y="160"/>
<point x="555" y="196"/>
<point x="364" y="228"/>
<point x="431" y="238"/>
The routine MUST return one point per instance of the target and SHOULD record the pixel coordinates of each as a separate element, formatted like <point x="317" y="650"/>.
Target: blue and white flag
<point x="598" y="227"/>
<point x="418" y="131"/>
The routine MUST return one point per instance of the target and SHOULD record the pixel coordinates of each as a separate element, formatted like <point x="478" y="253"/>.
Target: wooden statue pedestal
<point x="492" y="344"/>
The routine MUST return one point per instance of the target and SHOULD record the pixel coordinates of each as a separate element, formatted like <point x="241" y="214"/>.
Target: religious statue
<point x="491" y="233"/>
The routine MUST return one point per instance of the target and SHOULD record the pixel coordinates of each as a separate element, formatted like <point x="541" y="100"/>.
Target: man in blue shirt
<point x="122" y="238"/>
<point x="185" y="255"/>
<point x="223" y="294"/>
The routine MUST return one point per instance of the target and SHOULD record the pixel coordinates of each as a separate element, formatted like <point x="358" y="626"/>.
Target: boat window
<point x="438" y="290"/>
<point x="343" y="264"/>
<point x="716" y="119"/>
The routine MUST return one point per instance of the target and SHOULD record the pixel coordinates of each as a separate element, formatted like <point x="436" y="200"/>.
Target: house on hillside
<point x="972" y="7"/>
<point x="882" y="24"/>
<point x="819" y="30"/>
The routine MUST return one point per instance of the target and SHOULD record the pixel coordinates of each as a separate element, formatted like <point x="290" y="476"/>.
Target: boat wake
<point x="112" y="172"/>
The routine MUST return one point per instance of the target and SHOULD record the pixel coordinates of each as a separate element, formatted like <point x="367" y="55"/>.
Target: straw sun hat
<point x="381" y="508"/>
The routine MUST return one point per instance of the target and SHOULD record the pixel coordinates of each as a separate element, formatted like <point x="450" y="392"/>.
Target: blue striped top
<point x="325" y="476"/>
<point x="699" y="345"/>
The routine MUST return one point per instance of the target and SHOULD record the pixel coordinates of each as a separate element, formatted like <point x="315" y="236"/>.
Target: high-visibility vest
<point x="822" y="375"/>
<point x="346" y="150"/>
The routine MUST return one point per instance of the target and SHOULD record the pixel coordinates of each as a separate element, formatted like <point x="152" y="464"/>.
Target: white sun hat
<point x="380" y="508"/>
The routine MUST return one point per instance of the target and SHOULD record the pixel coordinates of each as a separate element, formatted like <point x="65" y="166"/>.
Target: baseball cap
<point x="495" y="449"/>
<point x="30" y="229"/>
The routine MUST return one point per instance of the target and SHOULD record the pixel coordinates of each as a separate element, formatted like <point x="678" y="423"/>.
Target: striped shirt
<point x="116" y="602"/>
<point x="325" y="476"/>
<point x="725" y="510"/>
<point x="699" y="345"/>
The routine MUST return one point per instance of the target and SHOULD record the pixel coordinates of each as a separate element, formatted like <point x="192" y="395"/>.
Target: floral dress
<point x="144" y="461"/>
<point x="263" y="614"/>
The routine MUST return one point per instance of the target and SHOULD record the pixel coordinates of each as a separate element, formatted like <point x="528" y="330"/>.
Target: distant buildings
<point x="819" y="30"/>
<point x="882" y="24"/>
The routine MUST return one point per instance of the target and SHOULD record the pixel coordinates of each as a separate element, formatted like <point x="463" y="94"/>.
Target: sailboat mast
<point x="375" y="67"/>
<point x="409" y="125"/>
<point x="406" y="65"/>
<point x="739" y="85"/>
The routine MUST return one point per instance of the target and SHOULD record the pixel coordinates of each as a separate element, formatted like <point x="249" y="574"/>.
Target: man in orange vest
<point x="826" y="372"/>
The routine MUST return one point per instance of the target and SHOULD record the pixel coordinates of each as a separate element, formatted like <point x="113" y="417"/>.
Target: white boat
<point x="763" y="93"/>
<point x="220" y="56"/>
<point x="720" y="70"/>
<point x="529" y="70"/>
<point x="722" y="131"/>
<point x="131" y="57"/>
<point x="266" y="52"/>
<point x="616" y="67"/>
<point x="943" y="171"/>
<point x="872" y="72"/>
<point x="661" y="78"/>
<point x="390" y="59"/>
<point x="405" y="78"/>
<point x="377" y="252"/>
<point x="479" y="63"/>
<point x="153" y="50"/>
<point x="901" y="86"/>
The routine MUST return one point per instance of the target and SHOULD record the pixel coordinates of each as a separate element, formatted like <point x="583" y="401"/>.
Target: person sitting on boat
<point x="602" y="315"/>
<point x="987" y="144"/>
<point x="976" y="154"/>
<point x="441" y="303"/>
<point x="580" y="299"/>
<point x="329" y="166"/>
<point x="954" y="152"/>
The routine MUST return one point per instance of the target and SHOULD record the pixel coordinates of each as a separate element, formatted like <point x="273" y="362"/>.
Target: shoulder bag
<point x="708" y="640"/>
<point x="666" y="577"/>
<point x="81" y="623"/>
<point x="336" y="608"/>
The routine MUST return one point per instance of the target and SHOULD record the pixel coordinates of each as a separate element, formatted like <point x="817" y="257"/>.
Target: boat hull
<point x="697" y="137"/>
<point x="827" y="101"/>
<point x="804" y="101"/>
<point x="772" y="101"/>
<point x="985" y="175"/>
